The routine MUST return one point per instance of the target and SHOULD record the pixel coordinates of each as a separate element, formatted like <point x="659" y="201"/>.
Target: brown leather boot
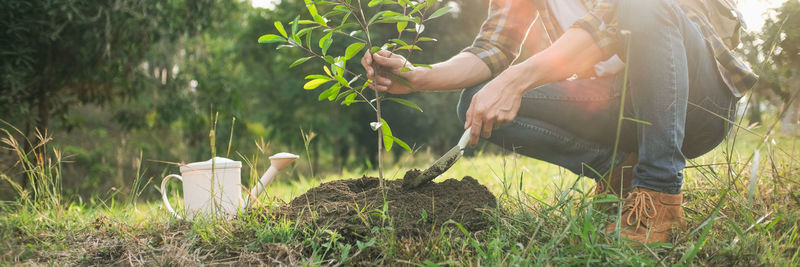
<point x="650" y="216"/>
<point x="620" y="176"/>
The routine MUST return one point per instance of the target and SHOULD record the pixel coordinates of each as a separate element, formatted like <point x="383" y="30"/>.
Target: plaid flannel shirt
<point x="502" y="33"/>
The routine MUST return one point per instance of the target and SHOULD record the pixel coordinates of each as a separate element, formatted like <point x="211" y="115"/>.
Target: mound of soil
<point x="352" y="207"/>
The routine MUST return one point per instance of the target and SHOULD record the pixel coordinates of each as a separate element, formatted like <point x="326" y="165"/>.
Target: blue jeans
<point x="673" y="85"/>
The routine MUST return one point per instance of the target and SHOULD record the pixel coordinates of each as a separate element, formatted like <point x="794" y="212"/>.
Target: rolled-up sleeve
<point x="601" y="23"/>
<point x="501" y="35"/>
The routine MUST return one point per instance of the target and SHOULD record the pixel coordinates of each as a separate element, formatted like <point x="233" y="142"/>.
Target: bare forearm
<point x="574" y="52"/>
<point x="461" y="71"/>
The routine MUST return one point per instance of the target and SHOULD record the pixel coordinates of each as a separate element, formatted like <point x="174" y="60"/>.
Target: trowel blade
<point x="439" y="166"/>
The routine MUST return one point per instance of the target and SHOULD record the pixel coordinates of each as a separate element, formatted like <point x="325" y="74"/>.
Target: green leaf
<point x="317" y="76"/>
<point x="401" y="143"/>
<point x="405" y="102"/>
<point x="270" y="38"/>
<point x="299" y="61"/>
<point x="423" y="65"/>
<point x="374" y="3"/>
<point x="327" y="70"/>
<point x="374" y="17"/>
<point x="313" y="84"/>
<point x="304" y="31"/>
<point x="341" y="9"/>
<point x="401" y="80"/>
<point x="296" y="40"/>
<point x="440" y="12"/>
<point x="417" y="8"/>
<point x="339" y="66"/>
<point x="324" y="39"/>
<point x="328" y="59"/>
<point x="374" y="49"/>
<point x="352" y="50"/>
<point x="341" y="80"/>
<point x="346" y="16"/>
<point x="426" y="39"/>
<point x="321" y="20"/>
<point x="400" y="42"/>
<point x="390" y="13"/>
<point x="394" y="19"/>
<point x="387" y="135"/>
<point x="331" y="93"/>
<point x="294" y="25"/>
<point x="279" y="26"/>
<point x="326" y="45"/>
<point x="345" y="25"/>
<point x="409" y="47"/>
<point x="343" y="94"/>
<point x="401" y="26"/>
<point x="350" y="99"/>
<point x="312" y="9"/>
<point x="308" y="39"/>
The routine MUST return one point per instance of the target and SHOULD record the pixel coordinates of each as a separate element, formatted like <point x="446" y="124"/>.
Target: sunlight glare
<point x="268" y="4"/>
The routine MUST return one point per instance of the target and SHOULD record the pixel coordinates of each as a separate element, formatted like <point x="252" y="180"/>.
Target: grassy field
<point x="545" y="216"/>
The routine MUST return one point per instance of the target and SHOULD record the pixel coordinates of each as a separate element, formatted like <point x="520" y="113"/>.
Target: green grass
<point x="545" y="217"/>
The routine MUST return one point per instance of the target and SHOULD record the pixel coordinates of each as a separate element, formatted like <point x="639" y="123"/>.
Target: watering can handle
<point x="164" y="193"/>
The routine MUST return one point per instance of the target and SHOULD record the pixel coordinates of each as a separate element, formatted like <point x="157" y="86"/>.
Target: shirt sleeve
<point x="601" y="23"/>
<point x="501" y="35"/>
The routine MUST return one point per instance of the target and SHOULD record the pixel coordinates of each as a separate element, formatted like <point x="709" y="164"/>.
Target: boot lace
<point x="639" y="204"/>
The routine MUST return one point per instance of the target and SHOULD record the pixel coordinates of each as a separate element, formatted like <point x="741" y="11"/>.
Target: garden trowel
<point x="440" y="165"/>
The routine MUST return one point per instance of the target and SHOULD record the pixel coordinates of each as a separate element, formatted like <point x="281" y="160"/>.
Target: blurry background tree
<point x="774" y="53"/>
<point x="57" y="54"/>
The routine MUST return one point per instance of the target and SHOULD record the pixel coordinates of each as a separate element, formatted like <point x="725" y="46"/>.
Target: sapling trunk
<point x="365" y="27"/>
<point x="380" y="138"/>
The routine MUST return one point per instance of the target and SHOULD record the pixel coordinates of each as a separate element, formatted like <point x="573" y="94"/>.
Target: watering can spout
<point x="276" y="163"/>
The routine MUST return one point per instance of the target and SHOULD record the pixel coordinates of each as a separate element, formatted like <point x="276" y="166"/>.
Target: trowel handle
<point x="462" y="143"/>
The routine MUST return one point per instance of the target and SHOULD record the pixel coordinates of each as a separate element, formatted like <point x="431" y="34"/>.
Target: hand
<point x="497" y="103"/>
<point x="380" y="67"/>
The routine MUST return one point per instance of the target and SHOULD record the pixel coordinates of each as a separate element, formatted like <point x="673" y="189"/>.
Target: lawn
<point x="545" y="216"/>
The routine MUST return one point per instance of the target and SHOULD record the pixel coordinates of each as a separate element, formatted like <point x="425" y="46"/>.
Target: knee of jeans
<point x="465" y="101"/>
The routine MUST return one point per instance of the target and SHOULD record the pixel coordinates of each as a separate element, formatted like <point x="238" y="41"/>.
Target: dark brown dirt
<point x="353" y="207"/>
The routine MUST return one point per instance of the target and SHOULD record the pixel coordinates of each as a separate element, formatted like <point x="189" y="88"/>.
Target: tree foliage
<point x="774" y="54"/>
<point x="57" y="54"/>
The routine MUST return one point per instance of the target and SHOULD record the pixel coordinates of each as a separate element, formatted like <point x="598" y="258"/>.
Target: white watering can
<point x="213" y="187"/>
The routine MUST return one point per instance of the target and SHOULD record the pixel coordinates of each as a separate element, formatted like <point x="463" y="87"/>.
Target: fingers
<point x="474" y="133"/>
<point x="381" y="84"/>
<point x="383" y="81"/>
<point x="384" y="53"/>
<point x="366" y="62"/>
<point x="488" y="126"/>
<point x="393" y="62"/>
<point x="473" y="120"/>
